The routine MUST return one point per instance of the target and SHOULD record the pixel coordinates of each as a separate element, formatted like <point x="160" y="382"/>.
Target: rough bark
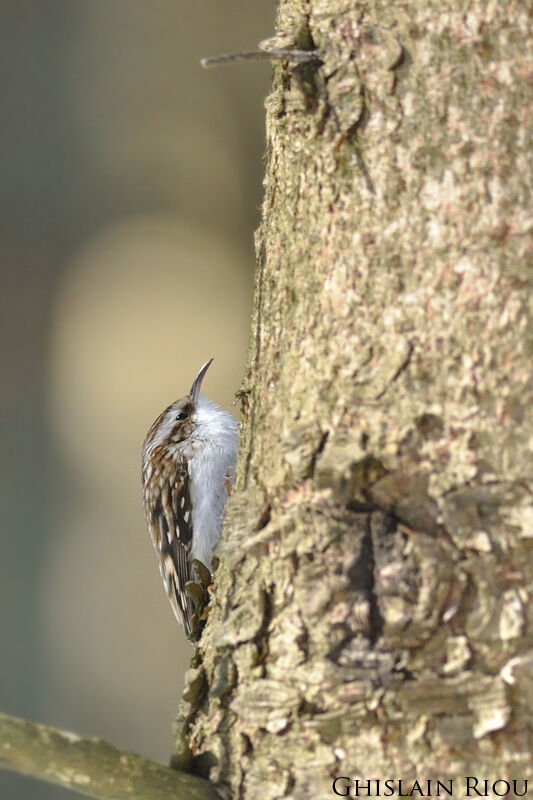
<point x="369" y="616"/>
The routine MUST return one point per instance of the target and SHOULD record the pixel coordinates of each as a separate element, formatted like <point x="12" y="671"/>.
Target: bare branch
<point x="285" y="54"/>
<point x="92" y="767"/>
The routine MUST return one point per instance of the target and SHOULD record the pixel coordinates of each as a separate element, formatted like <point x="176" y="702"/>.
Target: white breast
<point x="212" y="457"/>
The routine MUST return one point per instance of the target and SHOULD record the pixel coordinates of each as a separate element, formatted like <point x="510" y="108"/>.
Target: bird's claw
<point x="199" y="593"/>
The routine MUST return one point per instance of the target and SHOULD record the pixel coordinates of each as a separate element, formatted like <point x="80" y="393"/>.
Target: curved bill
<point x="195" y="388"/>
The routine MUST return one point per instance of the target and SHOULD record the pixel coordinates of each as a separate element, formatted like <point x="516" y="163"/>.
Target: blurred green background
<point x="130" y="182"/>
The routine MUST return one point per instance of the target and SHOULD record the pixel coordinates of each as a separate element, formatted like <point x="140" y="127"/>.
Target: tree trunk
<point x="369" y="616"/>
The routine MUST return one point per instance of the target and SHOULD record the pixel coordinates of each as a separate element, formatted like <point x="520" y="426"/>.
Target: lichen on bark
<point x="369" y="611"/>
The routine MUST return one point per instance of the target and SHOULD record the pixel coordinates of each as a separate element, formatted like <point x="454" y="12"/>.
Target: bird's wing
<point x="171" y="528"/>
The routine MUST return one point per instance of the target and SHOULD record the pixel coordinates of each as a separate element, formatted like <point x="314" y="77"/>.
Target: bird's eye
<point x="179" y="417"/>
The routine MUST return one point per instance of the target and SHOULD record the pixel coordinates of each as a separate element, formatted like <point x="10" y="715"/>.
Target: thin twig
<point x="296" y="56"/>
<point x="92" y="767"/>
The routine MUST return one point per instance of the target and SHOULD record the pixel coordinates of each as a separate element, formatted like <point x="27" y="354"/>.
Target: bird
<point x="188" y="468"/>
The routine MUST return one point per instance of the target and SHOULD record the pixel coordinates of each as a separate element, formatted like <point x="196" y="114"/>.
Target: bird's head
<point x="178" y="422"/>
